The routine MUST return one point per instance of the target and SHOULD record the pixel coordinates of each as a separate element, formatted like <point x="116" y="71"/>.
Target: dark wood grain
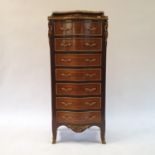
<point x="78" y="117"/>
<point x="83" y="60"/>
<point x="72" y="103"/>
<point x="69" y="27"/>
<point x="78" y="74"/>
<point x="78" y="44"/>
<point x="78" y="89"/>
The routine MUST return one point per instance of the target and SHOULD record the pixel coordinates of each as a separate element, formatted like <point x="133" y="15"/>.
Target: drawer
<point x="81" y="60"/>
<point x="78" y="44"/>
<point x="78" y="74"/>
<point x="70" y="103"/>
<point x="78" y="89"/>
<point x="86" y="27"/>
<point x="78" y="117"/>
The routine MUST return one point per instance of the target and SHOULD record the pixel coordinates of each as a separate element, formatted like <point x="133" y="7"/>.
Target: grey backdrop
<point x="25" y="79"/>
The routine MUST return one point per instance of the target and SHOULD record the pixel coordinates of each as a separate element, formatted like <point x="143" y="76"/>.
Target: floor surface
<point x="24" y="133"/>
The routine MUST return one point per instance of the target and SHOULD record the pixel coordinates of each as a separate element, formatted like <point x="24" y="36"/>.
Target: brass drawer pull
<point x="65" y="28"/>
<point x="91" y="28"/>
<point x="89" y="75"/>
<point x="65" y="74"/>
<point x="90" y="117"/>
<point x="90" y="59"/>
<point x="66" y="89"/>
<point x="89" y="90"/>
<point x="90" y="103"/>
<point x="66" y="60"/>
<point x="87" y="44"/>
<point x="66" y="117"/>
<point x="66" y="44"/>
<point x="66" y="103"/>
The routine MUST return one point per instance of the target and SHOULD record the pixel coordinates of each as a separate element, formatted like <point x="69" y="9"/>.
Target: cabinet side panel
<point x="103" y="96"/>
<point x="52" y="66"/>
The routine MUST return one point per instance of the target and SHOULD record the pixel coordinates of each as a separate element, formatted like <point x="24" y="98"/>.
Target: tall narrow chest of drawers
<point x="78" y="69"/>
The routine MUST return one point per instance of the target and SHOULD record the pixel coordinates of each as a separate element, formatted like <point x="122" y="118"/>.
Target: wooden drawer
<point x="78" y="117"/>
<point x="78" y="74"/>
<point x="78" y="89"/>
<point x="82" y="60"/>
<point x="69" y="27"/>
<point x="70" y="103"/>
<point x="78" y="44"/>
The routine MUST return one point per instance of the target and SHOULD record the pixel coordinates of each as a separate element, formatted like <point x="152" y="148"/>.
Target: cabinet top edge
<point x="94" y="15"/>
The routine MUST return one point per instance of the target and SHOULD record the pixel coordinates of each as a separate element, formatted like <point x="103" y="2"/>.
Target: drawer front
<point x="68" y="27"/>
<point x="82" y="60"/>
<point x="78" y="74"/>
<point x="78" y="44"/>
<point x="70" y="103"/>
<point x="78" y="117"/>
<point x="78" y="89"/>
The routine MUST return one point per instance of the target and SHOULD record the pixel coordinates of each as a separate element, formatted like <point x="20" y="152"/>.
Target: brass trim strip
<point x="92" y="18"/>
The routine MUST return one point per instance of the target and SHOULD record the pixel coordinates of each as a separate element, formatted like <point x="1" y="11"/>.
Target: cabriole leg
<point x="54" y="130"/>
<point x="102" y="133"/>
